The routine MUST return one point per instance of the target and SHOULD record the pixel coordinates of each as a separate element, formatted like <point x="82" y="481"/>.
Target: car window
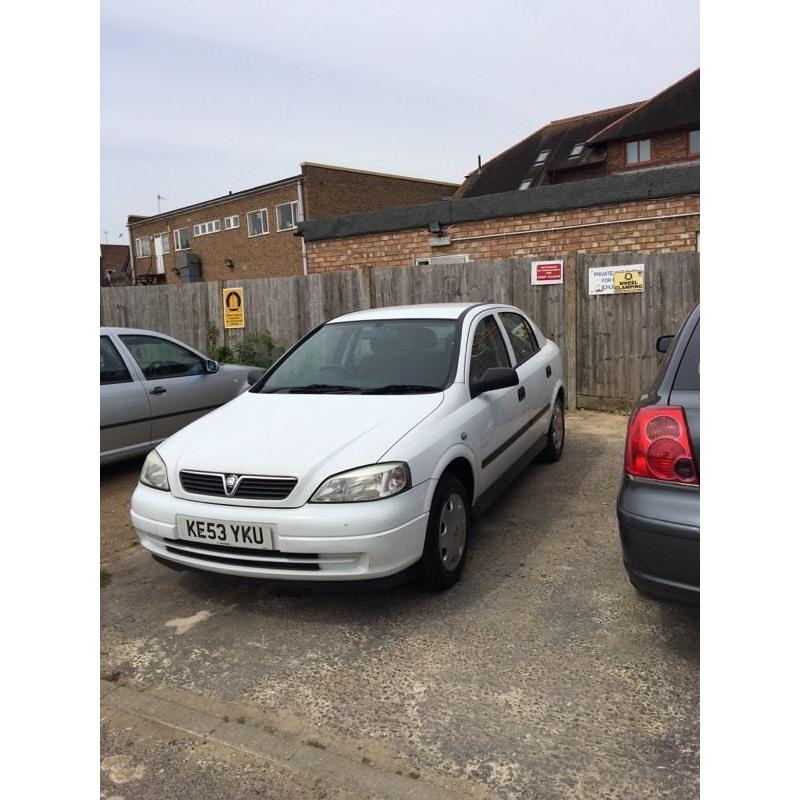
<point x="393" y="355"/>
<point x="112" y="367"/>
<point x="688" y="376"/>
<point x="159" y="358"/>
<point x="488" y="349"/>
<point x="523" y="340"/>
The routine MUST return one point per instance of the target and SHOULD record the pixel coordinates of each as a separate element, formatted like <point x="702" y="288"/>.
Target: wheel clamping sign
<point x="233" y="307"/>
<point x="616" y="280"/>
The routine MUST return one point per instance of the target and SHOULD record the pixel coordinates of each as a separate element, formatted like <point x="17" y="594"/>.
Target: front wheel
<point x="447" y="536"/>
<point x="555" y="433"/>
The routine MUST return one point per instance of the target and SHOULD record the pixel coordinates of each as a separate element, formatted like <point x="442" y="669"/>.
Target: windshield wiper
<point x="321" y="388"/>
<point x="403" y="388"/>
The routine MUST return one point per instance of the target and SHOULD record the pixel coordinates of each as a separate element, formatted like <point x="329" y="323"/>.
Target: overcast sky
<point x="201" y="97"/>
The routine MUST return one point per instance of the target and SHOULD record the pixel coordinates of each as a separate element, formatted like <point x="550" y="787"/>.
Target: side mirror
<point x="494" y="378"/>
<point x="663" y="343"/>
<point x="212" y="366"/>
<point x="254" y="375"/>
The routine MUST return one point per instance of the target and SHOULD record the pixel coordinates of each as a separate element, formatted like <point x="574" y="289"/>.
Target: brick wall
<point x="399" y="248"/>
<point x="273" y="254"/>
<point x="669" y="147"/>
<point x="330" y="192"/>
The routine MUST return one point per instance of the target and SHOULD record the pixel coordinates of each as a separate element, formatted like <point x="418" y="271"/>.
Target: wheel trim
<point x="558" y="426"/>
<point x="452" y="531"/>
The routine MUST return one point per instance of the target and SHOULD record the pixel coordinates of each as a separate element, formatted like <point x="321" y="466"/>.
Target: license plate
<point x="234" y="534"/>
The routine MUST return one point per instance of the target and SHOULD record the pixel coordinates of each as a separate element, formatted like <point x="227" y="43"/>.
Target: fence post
<point x="369" y="291"/>
<point x="571" y="284"/>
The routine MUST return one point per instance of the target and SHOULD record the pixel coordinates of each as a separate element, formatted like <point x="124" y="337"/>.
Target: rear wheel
<point x="447" y="536"/>
<point x="555" y="433"/>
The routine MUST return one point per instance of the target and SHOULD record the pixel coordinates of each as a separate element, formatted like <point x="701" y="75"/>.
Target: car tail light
<point x="658" y="446"/>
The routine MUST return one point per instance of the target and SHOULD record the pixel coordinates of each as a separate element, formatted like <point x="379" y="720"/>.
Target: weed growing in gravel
<point x="315" y="743"/>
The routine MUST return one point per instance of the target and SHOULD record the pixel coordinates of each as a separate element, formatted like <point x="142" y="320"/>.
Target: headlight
<point x="154" y="472"/>
<point x="365" y="483"/>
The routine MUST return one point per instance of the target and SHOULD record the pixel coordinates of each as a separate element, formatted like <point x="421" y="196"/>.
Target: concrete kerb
<point x="181" y="712"/>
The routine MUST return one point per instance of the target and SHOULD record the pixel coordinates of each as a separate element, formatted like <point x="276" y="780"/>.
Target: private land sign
<point x="547" y="272"/>
<point x="233" y="307"/>
<point x="616" y="280"/>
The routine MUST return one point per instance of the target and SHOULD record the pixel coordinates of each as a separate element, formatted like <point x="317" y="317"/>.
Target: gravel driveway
<point x="542" y="674"/>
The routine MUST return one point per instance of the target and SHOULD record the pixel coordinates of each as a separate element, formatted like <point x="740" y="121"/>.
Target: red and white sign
<point x="546" y="272"/>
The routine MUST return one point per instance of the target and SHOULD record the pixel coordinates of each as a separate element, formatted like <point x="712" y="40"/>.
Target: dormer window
<point x="636" y="152"/>
<point x="577" y="150"/>
<point x="541" y="158"/>
<point x="526" y="183"/>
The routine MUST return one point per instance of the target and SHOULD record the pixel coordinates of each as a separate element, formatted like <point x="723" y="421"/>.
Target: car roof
<point x="107" y="329"/>
<point x="418" y="311"/>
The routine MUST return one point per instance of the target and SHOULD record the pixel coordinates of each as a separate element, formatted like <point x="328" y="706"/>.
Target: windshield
<point x="408" y="356"/>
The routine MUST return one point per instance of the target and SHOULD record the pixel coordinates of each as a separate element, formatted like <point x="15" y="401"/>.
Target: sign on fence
<point x="616" y="280"/>
<point x="547" y="272"/>
<point x="233" y="307"/>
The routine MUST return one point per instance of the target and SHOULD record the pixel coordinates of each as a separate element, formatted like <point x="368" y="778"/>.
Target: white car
<point x="363" y="453"/>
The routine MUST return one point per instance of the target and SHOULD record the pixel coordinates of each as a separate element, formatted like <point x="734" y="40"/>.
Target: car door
<point x="177" y="381"/>
<point x="124" y="405"/>
<point x="532" y="368"/>
<point x="496" y="415"/>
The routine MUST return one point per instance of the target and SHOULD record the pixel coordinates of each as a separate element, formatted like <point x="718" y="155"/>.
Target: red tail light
<point x="658" y="446"/>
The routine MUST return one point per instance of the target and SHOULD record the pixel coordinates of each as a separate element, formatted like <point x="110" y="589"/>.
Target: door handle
<point x="548" y="370"/>
<point x="158" y="390"/>
<point x="521" y="393"/>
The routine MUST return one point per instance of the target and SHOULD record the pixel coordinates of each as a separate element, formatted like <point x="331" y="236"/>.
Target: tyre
<point x="447" y="537"/>
<point x="555" y="433"/>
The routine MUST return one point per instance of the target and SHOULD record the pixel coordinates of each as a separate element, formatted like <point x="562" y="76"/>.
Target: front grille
<point x="265" y="488"/>
<point x="250" y="487"/>
<point x="203" y="483"/>
<point x="244" y="556"/>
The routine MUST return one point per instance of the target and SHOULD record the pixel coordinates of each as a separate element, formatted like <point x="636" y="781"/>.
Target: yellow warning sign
<point x="627" y="281"/>
<point x="233" y="307"/>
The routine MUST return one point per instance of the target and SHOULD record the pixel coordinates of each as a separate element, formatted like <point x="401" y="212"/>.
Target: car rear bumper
<point x="659" y="530"/>
<point x="313" y="543"/>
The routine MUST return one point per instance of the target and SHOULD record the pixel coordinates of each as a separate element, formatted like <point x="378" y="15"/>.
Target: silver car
<point x="151" y="385"/>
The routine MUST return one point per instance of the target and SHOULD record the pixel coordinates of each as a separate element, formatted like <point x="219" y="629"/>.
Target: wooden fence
<point x="608" y="341"/>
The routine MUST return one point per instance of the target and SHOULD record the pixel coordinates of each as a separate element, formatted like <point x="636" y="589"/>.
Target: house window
<point x="636" y="152"/>
<point x="231" y="222"/>
<point x="204" y="228"/>
<point x="577" y="150"/>
<point x="286" y="214"/>
<point x="143" y="247"/>
<point x="526" y="183"/>
<point x="257" y="222"/>
<point x="181" y="238"/>
<point x="694" y="142"/>
<point x="164" y="242"/>
<point x="541" y="158"/>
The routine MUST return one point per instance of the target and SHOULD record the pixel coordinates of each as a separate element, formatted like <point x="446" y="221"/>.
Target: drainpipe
<point x="301" y="216"/>
<point x="132" y="256"/>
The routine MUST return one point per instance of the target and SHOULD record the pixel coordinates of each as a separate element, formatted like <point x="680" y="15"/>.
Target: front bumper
<point x="315" y="542"/>
<point x="659" y="529"/>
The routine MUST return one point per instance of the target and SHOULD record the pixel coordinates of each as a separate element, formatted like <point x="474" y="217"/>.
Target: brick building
<point x="621" y="179"/>
<point x="251" y="233"/>
<point x="114" y="262"/>
<point x="662" y="131"/>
